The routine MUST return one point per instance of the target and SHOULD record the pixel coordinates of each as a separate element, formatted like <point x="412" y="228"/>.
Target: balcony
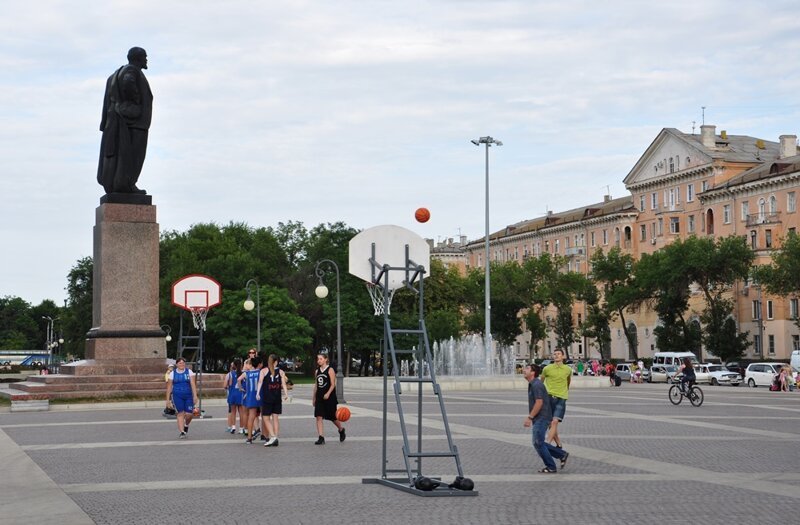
<point x="756" y="219"/>
<point x="575" y="251"/>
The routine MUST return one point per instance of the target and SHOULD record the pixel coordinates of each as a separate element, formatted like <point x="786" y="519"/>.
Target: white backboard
<point x="196" y="291"/>
<point x="390" y="243"/>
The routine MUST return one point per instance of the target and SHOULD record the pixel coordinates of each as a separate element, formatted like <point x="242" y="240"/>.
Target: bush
<point x="10" y="369"/>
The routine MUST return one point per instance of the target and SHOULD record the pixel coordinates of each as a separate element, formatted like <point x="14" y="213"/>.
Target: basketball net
<point x="199" y="317"/>
<point x="376" y="294"/>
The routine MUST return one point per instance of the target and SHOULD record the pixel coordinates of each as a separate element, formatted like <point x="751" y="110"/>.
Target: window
<point x="745" y="210"/>
<point x="641" y="202"/>
<point x="591" y="239"/>
<point x="704" y="185"/>
<point x="690" y="224"/>
<point x="671" y="199"/>
<point x="796" y="342"/>
<point x="671" y="165"/>
<point x="480" y="261"/>
<point x="516" y="252"/>
<point x="791" y="202"/>
<point x="768" y="238"/>
<point x="674" y="225"/>
<point x="771" y="343"/>
<point x="605" y="237"/>
<point x="547" y="246"/>
<point x="642" y="232"/>
<point x="769" y="310"/>
<point x="652" y="230"/>
<point x="756" y="309"/>
<point x="793" y="308"/>
<point x="773" y="204"/>
<point x="756" y="344"/>
<point x="753" y="239"/>
<point x="555" y="246"/>
<point x="653" y="201"/>
<point x="726" y="214"/>
<point x="660" y="226"/>
<point x="566" y="242"/>
<point x="689" y="192"/>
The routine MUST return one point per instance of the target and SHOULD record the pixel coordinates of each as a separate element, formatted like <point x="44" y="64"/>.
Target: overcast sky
<point x="362" y="111"/>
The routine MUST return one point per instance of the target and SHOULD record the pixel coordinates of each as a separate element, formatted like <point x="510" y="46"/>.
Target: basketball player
<point x="181" y="386"/>
<point x="234" y="396"/>
<point x="250" y="379"/>
<point x="324" y="397"/>
<point x="271" y="381"/>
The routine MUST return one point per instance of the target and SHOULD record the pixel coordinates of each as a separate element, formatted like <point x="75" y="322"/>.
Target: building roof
<point x="764" y="171"/>
<point x="592" y="211"/>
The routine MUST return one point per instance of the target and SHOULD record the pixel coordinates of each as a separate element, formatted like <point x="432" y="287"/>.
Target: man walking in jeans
<point x="539" y="417"/>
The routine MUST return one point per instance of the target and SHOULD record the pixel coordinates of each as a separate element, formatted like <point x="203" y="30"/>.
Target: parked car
<point x="720" y="375"/>
<point x="701" y="374"/>
<point x="662" y="373"/>
<point x="761" y="374"/>
<point x="623" y="371"/>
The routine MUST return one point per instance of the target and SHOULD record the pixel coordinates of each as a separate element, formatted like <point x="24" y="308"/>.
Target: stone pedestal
<point x="126" y="336"/>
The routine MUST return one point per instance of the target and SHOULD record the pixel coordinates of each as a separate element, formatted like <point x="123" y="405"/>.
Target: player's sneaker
<point x="182" y="435"/>
<point x="232" y="430"/>
<point x="342" y="435"/>
<point x="320" y="441"/>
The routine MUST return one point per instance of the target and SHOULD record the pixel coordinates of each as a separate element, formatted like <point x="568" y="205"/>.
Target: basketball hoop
<point x="199" y="317"/>
<point x="379" y="302"/>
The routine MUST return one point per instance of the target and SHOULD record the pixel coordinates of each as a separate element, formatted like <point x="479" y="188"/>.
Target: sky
<point x="363" y="111"/>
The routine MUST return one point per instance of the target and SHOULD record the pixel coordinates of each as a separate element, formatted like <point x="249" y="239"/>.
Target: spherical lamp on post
<point x="249" y="305"/>
<point x="321" y="291"/>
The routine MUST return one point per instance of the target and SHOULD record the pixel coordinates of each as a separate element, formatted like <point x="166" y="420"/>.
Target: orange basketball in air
<point x="343" y="414"/>
<point x="422" y="215"/>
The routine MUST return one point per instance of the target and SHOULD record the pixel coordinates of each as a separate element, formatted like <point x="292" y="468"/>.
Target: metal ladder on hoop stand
<point x="424" y="359"/>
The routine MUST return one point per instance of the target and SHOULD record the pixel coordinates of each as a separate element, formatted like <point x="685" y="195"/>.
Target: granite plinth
<point x="125" y="322"/>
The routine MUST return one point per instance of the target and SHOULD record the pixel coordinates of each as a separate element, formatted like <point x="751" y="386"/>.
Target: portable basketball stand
<point x="196" y="294"/>
<point x="381" y="276"/>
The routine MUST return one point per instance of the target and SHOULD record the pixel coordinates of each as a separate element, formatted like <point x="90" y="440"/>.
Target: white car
<point x="720" y="375"/>
<point x="662" y="373"/>
<point x="761" y="374"/>
<point x="701" y="374"/>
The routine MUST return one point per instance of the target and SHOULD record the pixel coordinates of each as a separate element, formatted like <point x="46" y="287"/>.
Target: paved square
<point x="634" y="458"/>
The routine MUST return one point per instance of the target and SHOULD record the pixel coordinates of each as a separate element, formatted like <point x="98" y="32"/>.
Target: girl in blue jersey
<point x="249" y="378"/>
<point x="181" y="386"/>
<point x="234" y="396"/>
<point x="271" y="381"/>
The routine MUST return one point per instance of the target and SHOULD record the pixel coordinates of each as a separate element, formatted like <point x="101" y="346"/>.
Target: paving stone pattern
<point x="636" y="459"/>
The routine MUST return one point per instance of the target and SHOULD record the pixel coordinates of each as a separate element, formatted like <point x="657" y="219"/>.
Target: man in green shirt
<point x="557" y="377"/>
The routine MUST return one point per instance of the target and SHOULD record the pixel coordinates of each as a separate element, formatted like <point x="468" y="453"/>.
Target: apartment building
<point x="683" y="184"/>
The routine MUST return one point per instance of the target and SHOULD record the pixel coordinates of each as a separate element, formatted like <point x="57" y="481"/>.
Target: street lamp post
<point x="488" y="332"/>
<point x="50" y="343"/>
<point x="248" y="305"/>
<point x="321" y="291"/>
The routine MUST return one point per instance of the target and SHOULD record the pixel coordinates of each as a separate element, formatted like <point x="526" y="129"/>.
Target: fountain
<point x="467" y="357"/>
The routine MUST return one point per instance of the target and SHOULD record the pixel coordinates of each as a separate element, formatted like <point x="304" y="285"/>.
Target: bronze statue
<point x="127" y="111"/>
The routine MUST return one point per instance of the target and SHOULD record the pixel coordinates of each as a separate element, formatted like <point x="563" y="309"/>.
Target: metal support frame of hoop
<point x="413" y="271"/>
<point x="199" y="321"/>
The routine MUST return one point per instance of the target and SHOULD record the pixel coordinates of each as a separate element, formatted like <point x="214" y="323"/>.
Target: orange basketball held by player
<point x="343" y="414"/>
<point x="196" y="412"/>
<point x="422" y="215"/>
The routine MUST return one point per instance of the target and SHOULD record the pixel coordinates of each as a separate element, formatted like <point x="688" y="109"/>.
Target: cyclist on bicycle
<point x="688" y="376"/>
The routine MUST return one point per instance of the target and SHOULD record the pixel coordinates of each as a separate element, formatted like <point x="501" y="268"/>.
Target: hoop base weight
<point x="402" y="484"/>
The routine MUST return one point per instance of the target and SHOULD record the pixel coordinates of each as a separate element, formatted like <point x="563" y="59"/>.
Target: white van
<point x="673" y="358"/>
<point x="795" y="360"/>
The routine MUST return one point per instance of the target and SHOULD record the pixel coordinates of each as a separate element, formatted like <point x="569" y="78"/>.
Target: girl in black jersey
<point x="271" y="382"/>
<point x="324" y="397"/>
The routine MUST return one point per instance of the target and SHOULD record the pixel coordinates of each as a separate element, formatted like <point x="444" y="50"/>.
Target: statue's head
<point x="138" y="57"/>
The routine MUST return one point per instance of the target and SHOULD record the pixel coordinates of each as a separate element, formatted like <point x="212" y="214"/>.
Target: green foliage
<point x="19" y="329"/>
<point x="721" y="336"/>
<point x="782" y="277"/>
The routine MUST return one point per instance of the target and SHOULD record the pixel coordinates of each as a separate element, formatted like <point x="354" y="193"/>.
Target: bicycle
<point x="695" y="395"/>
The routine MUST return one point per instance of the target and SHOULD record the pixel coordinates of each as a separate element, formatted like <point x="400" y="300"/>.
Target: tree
<point x="782" y="276"/>
<point x="77" y="317"/>
<point x="714" y="265"/>
<point x="598" y="321"/>
<point x="18" y="328"/>
<point x="616" y="271"/>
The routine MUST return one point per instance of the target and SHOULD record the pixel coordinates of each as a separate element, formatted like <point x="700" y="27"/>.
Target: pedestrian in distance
<point x="234" y="397"/>
<point x="271" y="382"/>
<point x="539" y="418"/>
<point x="182" y="390"/>
<point x="324" y="398"/>
<point x="557" y="377"/>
